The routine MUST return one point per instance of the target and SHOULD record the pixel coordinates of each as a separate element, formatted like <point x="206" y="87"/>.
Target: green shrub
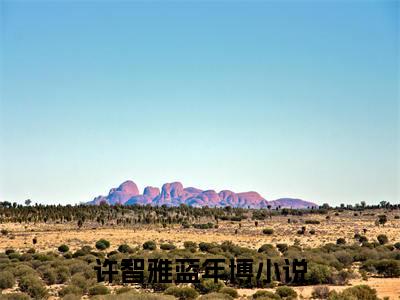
<point x="359" y="292"/>
<point x="70" y="289"/>
<point x="318" y="274"/>
<point x="98" y="289"/>
<point x="388" y="267"/>
<point x="15" y="296"/>
<point x="191" y="246"/>
<point x="320" y="292"/>
<point x="7" y="280"/>
<point x="382" y="239"/>
<point x="102" y="244"/>
<point x="33" y="287"/>
<point x="208" y="286"/>
<point x="124" y="248"/>
<point x="124" y="289"/>
<point x="149" y="245"/>
<point x="268" y="231"/>
<point x="316" y="222"/>
<point x="215" y="296"/>
<point x="282" y="247"/>
<point x="265" y="295"/>
<point x="230" y="291"/>
<point x="63" y="248"/>
<point x="397" y="245"/>
<point x="340" y="241"/>
<point x="286" y="292"/>
<point x="182" y="293"/>
<point x="80" y="281"/>
<point x="167" y="246"/>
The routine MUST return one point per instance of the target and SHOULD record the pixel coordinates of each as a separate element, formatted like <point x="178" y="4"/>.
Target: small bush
<point x="286" y="292"/>
<point x="167" y="246"/>
<point x="230" y="291"/>
<point x="70" y="289"/>
<point x="265" y="295"/>
<point x="149" y="245"/>
<point x="382" y="239"/>
<point x="340" y="241"/>
<point x="316" y="222"/>
<point x="360" y="292"/>
<point x="268" y="231"/>
<point x="102" y="244"/>
<point x="33" y="287"/>
<point x="215" y="296"/>
<point x="7" y="280"/>
<point x="98" y="289"/>
<point x="191" y="246"/>
<point x="397" y="245"/>
<point x="208" y="286"/>
<point x="282" y="247"/>
<point x="124" y="248"/>
<point x="15" y="296"/>
<point x="320" y="292"/>
<point x="63" y="248"/>
<point x="182" y="293"/>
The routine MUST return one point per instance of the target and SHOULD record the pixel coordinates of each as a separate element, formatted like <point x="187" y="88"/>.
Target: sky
<point x="286" y="98"/>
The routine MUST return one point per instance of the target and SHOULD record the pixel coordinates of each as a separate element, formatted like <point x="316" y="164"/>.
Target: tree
<point x="28" y="202"/>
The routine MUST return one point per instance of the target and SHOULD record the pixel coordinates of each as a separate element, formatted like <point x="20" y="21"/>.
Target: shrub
<point x="70" y="289"/>
<point x="4" y="231"/>
<point x="265" y="248"/>
<point x="149" y="245"/>
<point x="282" y="247"/>
<point x="63" y="248"/>
<point x="286" y="292"/>
<point x="33" y="287"/>
<point x="320" y="292"/>
<point x="316" y="222"/>
<point x="388" y="267"/>
<point x="359" y="292"/>
<point x="265" y="295"/>
<point x="209" y="286"/>
<point x="15" y="296"/>
<point x="397" y="245"/>
<point x="7" y="280"/>
<point x="98" y="289"/>
<point x="382" y="239"/>
<point x="167" y="246"/>
<point x="230" y="291"/>
<point x="318" y="274"/>
<point x="268" y="231"/>
<point x="80" y="281"/>
<point x="124" y="248"/>
<point x="312" y="231"/>
<point x="340" y="241"/>
<point x="215" y="296"/>
<point x="182" y="293"/>
<point x="208" y="225"/>
<point x="190" y="245"/>
<point x="124" y="289"/>
<point x="102" y="244"/>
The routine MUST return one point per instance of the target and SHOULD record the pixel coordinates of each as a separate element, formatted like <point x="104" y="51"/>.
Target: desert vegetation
<point x="51" y="251"/>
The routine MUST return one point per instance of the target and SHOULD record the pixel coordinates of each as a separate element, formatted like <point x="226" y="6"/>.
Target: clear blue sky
<point x="290" y="99"/>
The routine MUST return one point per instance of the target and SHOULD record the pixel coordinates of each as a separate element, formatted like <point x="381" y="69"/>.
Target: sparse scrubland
<point x="51" y="251"/>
